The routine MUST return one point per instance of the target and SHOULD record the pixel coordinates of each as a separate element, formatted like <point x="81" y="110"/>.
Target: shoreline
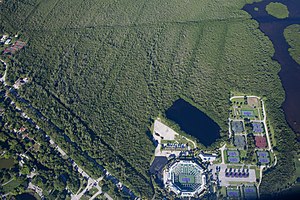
<point x="289" y="73"/>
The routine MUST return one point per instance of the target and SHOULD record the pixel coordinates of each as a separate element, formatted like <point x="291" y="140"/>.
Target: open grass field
<point x="101" y="70"/>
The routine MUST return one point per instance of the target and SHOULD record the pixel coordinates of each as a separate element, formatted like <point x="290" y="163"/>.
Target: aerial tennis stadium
<point x="185" y="178"/>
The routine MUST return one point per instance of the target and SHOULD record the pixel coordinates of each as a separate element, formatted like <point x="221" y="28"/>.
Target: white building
<point x="3" y="38"/>
<point x="7" y="41"/>
<point x="207" y="157"/>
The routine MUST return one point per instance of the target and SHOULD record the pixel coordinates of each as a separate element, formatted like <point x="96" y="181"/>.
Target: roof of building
<point x="158" y="164"/>
<point x="207" y="157"/>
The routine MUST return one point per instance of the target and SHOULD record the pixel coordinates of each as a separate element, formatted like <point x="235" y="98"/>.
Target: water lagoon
<point x="194" y="122"/>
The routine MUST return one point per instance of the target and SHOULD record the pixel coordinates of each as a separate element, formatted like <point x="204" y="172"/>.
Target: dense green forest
<point x="101" y="70"/>
<point x="277" y="10"/>
<point x="292" y="36"/>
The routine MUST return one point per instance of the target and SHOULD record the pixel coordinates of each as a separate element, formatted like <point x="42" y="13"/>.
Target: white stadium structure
<point x="185" y="178"/>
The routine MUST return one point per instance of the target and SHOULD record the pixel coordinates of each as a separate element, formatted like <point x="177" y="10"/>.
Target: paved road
<point x="107" y="196"/>
<point x="260" y="178"/>
<point x="222" y="153"/>
<point x="266" y="128"/>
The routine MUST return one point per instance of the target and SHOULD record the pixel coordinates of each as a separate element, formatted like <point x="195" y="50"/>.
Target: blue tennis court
<point x="257" y="127"/>
<point x="233" y="159"/>
<point x="233" y="193"/>
<point x="247" y="113"/>
<point x="262" y="154"/>
<point x="185" y="179"/>
<point x="250" y="192"/>
<point x="264" y="160"/>
<point x="233" y="153"/>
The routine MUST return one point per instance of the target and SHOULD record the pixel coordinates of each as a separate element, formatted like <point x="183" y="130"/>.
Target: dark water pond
<point x="26" y="196"/>
<point x="6" y="163"/>
<point x="290" y="70"/>
<point x="194" y="122"/>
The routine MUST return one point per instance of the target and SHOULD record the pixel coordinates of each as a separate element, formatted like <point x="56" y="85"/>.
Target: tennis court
<point x="234" y="159"/>
<point x="247" y="113"/>
<point x="232" y="153"/>
<point x="250" y="192"/>
<point x="186" y="179"/>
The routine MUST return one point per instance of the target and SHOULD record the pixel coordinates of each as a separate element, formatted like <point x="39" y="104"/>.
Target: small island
<point x="292" y="36"/>
<point x="277" y="10"/>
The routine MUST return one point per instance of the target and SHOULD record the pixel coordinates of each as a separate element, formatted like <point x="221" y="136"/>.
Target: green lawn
<point x="93" y="191"/>
<point x="243" y="153"/>
<point x="12" y="185"/>
<point x="223" y="191"/>
<point x="277" y="10"/>
<point x="182" y="140"/>
<point x="168" y="141"/>
<point x="234" y="166"/>
<point x="225" y="157"/>
<point x="257" y="173"/>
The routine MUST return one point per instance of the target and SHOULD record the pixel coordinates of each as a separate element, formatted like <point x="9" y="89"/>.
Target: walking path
<point x="260" y="178"/>
<point x="8" y="182"/>
<point x="107" y="196"/>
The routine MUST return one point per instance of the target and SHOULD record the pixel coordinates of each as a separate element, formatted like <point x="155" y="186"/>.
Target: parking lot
<point x="226" y="181"/>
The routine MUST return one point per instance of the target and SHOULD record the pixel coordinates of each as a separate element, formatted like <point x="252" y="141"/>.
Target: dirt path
<point x="8" y="182"/>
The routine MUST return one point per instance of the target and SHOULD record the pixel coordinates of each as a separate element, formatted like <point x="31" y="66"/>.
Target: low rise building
<point x="207" y="157"/>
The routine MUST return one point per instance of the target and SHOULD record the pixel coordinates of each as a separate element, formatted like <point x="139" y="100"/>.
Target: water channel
<point x="194" y="122"/>
<point x="290" y="70"/>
